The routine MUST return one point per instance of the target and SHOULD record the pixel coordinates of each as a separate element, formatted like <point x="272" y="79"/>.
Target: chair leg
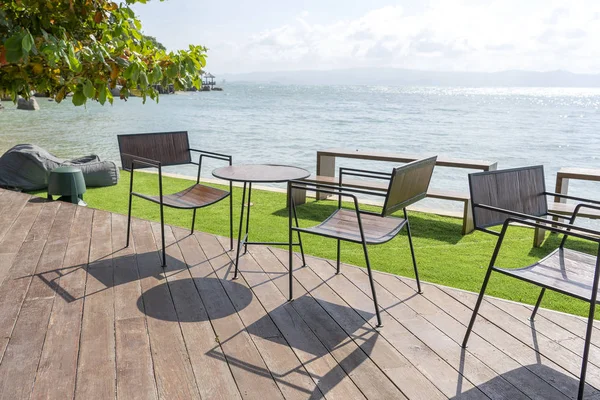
<point x="248" y="216"/>
<point x="162" y="233"/>
<point x="240" y="238"/>
<point x="230" y="216"/>
<point x="299" y="237"/>
<point x="290" y="244"/>
<point x="129" y="220"/>
<point x="412" y="252"/>
<point x="372" y="284"/>
<point x="537" y="304"/>
<point x="193" y="221"/>
<point x="477" y="305"/>
<point x="586" y="348"/>
<point x="337" y="264"/>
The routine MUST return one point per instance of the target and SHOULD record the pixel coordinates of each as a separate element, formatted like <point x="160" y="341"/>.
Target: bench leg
<point x="325" y="167"/>
<point x="299" y="196"/>
<point x="538" y="237"/>
<point x="468" y="225"/>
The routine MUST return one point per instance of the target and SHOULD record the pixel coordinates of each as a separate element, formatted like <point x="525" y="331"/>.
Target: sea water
<point x="287" y="124"/>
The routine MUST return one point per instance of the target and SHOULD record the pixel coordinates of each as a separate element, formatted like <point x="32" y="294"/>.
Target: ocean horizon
<point x="287" y="124"/>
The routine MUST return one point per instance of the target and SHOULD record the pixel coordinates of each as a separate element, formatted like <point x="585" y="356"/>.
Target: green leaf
<point x="79" y="98"/>
<point x="143" y="79"/>
<point x="14" y="48"/>
<point x="102" y="94"/>
<point x="88" y="89"/>
<point x="27" y="42"/>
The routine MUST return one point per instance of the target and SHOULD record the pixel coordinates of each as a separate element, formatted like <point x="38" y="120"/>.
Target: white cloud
<point x="447" y="35"/>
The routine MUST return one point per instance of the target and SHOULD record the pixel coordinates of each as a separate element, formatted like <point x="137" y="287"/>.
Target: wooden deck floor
<point x="82" y="317"/>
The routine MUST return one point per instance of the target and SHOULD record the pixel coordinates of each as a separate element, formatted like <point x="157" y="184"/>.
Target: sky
<point x="439" y="35"/>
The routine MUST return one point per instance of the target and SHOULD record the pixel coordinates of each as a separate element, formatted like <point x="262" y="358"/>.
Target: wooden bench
<point x="326" y="174"/>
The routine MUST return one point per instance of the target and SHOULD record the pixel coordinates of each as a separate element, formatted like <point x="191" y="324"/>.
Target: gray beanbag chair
<point x="27" y="167"/>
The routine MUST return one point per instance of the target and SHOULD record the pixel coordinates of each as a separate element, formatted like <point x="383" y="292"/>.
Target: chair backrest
<point x="408" y="184"/>
<point x="170" y="148"/>
<point x="518" y="189"/>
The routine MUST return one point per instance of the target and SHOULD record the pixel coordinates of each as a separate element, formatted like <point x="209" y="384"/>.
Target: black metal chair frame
<point x="567" y="229"/>
<point x="145" y="163"/>
<point x="352" y="193"/>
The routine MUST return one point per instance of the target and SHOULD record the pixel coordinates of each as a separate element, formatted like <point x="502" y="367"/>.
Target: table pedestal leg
<point x="240" y="239"/>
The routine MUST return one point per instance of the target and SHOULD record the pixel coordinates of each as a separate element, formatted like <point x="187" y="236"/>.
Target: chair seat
<point x="193" y="197"/>
<point x="564" y="270"/>
<point x="343" y="224"/>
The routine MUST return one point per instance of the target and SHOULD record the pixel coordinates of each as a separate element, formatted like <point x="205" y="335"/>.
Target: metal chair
<point x="518" y="196"/>
<point x="156" y="150"/>
<point x="407" y="185"/>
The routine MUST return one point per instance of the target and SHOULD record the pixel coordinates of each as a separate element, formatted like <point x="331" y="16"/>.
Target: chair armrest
<point x="540" y="222"/>
<point x="566" y="196"/>
<point x="328" y="189"/>
<point x="318" y="187"/>
<point x="142" y="160"/>
<point x="210" y="154"/>
<point x="573" y="232"/>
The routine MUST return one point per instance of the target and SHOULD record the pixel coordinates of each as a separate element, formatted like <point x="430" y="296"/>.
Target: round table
<point x="257" y="173"/>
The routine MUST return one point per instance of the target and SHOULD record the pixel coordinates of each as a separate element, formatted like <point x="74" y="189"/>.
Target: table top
<point x="264" y="173"/>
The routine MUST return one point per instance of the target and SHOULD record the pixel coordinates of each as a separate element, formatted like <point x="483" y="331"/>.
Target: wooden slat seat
<point x="564" y="270"/>
<point x="344" y="224"/>
<point x="196" y="196"/>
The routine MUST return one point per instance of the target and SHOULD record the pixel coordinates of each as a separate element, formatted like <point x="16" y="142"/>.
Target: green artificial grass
<point x="444" y="256"/>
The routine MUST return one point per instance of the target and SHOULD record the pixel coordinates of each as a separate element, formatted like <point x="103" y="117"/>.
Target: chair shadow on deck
<point x="423" y="227"/>
<point x="567" y="383"/>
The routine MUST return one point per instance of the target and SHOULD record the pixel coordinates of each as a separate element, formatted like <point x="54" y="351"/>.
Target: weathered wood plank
<point x="19" y="364"/>
<point x="356" y="347"/>
<point x="135" y="371"/>
<point x="96" y="373"/>
<point x="57" y="370"/>
<point x="290" y="375"/>
<point x="330" y="378"/>
<point x="497" y="338"/>
<point x="11" y="210"/>
<point x="172" y="368"/>
<point x="524" y="333"/>
<point x="401" y="365"/>
<point x="51" y="261"/>
<point x="16" y="285"/>
<point x="21" y="359"/>
<point x="411" y="309"/>
<point x="253" y="381"/>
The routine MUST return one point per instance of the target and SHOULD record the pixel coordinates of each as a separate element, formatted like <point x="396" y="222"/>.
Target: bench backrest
<point x="170" y="148"/>
<point x="408" y="184"/>
<point x="519" y="189"/>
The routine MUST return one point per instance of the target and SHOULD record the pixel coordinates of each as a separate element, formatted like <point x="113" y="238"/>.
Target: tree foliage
<point x="87" y="47"/>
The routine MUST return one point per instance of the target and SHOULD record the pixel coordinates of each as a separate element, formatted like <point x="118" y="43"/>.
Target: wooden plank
<point x="400" y="340"/>
<point x="96" y="372"/>
<point x="537" y="362"/>
<point x="56" y="373"/>
<point x="330" y="378"/>
<point x="549" y="329"/>
<point x="16" y="285"/>
<point x="172" y="368"/>
<point x="293" y="379"/>
<point x="135" y="371"/>
<point x="404" y="296"/>
<point x="523" y="331"/>
<point x="21" y="359"/>
<point x="588" y="174"/>
<point x="253" y="381"/>
<point x="11" y="211"/>
<point x="359" y="349"/>
<point x="405" y="158"/>
<point x="569" y="208"/>
<point x="51" y="261"/>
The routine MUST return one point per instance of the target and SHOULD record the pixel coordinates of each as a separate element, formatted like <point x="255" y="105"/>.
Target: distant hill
<point x="406" y="77"/>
